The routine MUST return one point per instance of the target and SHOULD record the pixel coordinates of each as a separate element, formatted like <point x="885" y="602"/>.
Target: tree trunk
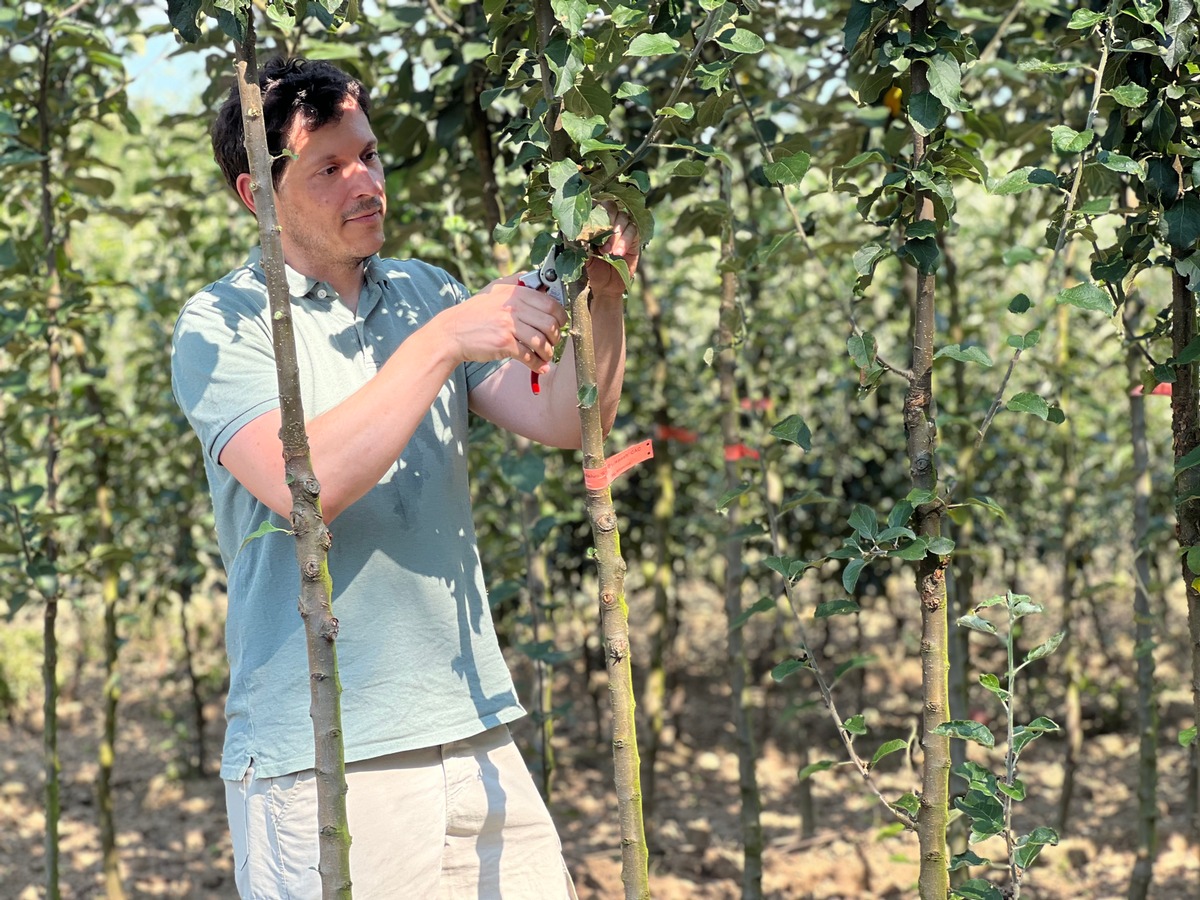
<point x="1068" y="479"/>
<point x="934" y="882"/>
<point x="751" y="802"/>
<point x="312" y="537"/>
<point x="49" y="584"/>
<point x="1185" y="431"/>
<point x="614" y="613"/>
<point x="960" y="581"/>
<point x="1147" y="710"/>
<point x="662" y="628"/>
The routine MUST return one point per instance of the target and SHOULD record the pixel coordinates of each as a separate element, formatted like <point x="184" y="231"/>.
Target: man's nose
<point x="365" y="179"/>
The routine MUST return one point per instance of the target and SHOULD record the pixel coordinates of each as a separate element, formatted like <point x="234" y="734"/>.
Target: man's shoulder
<point x="242" y="291"/>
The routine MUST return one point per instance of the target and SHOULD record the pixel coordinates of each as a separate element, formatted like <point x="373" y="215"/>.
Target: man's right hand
<point x="505" y="320"/>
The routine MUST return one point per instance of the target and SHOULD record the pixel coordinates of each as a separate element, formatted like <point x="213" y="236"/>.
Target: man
<point x="392" y="354"/>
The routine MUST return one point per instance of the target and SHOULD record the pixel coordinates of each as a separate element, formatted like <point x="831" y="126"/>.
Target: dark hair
<point x="311" y="93"/>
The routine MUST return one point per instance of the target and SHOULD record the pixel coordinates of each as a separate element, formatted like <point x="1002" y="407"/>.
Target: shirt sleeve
<point x="223" y="364"/>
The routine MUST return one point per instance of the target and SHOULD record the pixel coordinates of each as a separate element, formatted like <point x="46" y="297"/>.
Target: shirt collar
<point x="302" y="285"/>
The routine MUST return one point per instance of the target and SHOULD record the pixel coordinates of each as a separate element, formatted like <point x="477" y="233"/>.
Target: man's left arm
<point x="552" y="416"/>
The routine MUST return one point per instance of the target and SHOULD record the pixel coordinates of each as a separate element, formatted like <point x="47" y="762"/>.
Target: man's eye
<point x="328" y="170"/>
<point x="371" y="155"/>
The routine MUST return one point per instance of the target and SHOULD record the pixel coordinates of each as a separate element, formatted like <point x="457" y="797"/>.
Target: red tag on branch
<point x="675" y="433"/>
<point x="1163" y="390"/>
<point x="595" y="479"/>
<point x="762" y="403"/>
<point x="740" y="451"/>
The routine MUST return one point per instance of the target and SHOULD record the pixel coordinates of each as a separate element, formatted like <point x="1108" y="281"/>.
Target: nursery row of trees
<point x="914" y="270"/>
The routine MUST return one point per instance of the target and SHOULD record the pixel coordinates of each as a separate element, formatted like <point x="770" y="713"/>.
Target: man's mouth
<point x="366" y="214"/>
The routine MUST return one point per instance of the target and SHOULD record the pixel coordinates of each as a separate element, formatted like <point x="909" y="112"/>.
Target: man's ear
<point x="244" y="192"/>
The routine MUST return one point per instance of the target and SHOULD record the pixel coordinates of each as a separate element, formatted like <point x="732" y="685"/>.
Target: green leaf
<point x="764" y="604"/>
<point x="909" y="803"/>
<point x="1068" y="140"/>
<point x="968" y="731"/>
<point x="182" y="16"/>
<point x="1046" y="647"/>
<point x="1029" y="403"/>
<point x="651" y="45"/>
<point x="1119" y="163"/>
<point x="924" y="253"/>
<point x="862" y="349"/>
<point x="638" y="93"/>
<point x="969" y="858"/>
<point x="1188" y="461"/>
<point x="855" y="725"/>
<point x="977" y="623"/>
<point x="968" y="354"/>
<point x="1086" y="296"/>
<point x="1181" y="223"/>
<point x="1016" y="790"/>
<point x="1130" y="95"/>
<point x="977" y="888"/>
<point x="1187" y="737"/>
<point x="794" y="430"/>
<point x="683" y="111"/>
<point x="1015" y="182"/>
<point x="851" y="573"/>
<point x="988" y="504"/>
<point x="1024" y="341"/>
<point x="739" y="40"/>
<point x="885" y="750"/>
<point x="1023" y="735"/>
<point x="264" y="529"/>
<point x="788" y="170"/>
<point x="941" y="546"/>
<point x="1084" y="19"/>
<point x="813" y="768"/>
<point x="919" y="496"/>
<point x="731" y="495"/>
<point x="587" y="396"/>
<point x="992" y="683"/>
<point x="788" y="667"/>
<point x="913" y="551"/>
<point x="1030" y="845"/>
<point x="863" y="520"/>
<point x="925" y="113"/>
<point x="945" y="81"/>
<point x="836" y="608"/>
<point x="572" y="201"/>
<point x="581" y="128"/>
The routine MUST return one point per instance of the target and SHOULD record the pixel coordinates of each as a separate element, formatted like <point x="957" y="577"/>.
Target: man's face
<point x="330" y="200"/>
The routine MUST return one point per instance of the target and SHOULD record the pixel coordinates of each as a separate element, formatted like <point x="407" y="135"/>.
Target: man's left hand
<point x="625" y="243"/>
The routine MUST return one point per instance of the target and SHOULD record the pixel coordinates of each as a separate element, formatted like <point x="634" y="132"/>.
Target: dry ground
<point x="172" y="830"/>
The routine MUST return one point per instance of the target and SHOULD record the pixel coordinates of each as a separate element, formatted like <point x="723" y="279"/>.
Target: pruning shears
<point x="545" y="278"/>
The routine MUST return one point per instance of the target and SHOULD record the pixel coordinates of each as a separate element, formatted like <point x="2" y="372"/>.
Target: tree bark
<point x="1185" y="431"/>
<point x="662" y="624"/>
<point x="49" y="565"/>
<point x="933" y="880"/>
<point x="1147" y="710"/>
<point x="751" y="801"/>
<point x="312" y="537"/>
<point x="614" y="613"/>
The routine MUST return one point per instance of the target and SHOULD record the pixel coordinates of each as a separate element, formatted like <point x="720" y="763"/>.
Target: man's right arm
<point x="354" y="444"/>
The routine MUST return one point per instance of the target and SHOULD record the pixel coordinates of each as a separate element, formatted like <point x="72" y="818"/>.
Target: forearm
<point x="608" y="337"/>
<point x="353" y="444"/>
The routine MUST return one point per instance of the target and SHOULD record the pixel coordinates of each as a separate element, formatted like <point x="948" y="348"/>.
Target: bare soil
<point x="172" y="831"/>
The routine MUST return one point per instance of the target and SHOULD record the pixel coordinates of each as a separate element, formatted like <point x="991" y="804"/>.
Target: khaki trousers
<point x="463" y="820"/>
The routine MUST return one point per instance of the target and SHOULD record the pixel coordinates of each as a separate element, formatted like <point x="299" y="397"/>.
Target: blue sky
<point x="172" y="84"/>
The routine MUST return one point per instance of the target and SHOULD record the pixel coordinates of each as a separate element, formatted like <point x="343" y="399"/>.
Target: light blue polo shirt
<point x="417" y="650"/>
